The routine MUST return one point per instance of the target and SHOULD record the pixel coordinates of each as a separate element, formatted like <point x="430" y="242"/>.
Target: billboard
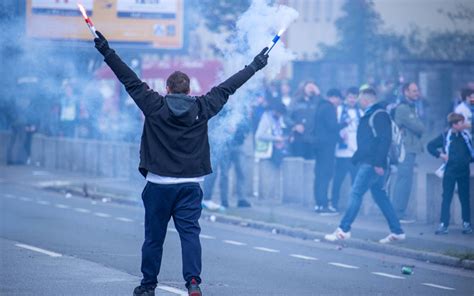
<point x="203" y="74"/>
<point x="153" y="23"/>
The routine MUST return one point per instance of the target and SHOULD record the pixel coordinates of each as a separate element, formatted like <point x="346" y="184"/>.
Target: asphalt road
<point x="52" y="244"/>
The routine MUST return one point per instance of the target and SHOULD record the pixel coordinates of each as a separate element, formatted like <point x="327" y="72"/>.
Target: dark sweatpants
<point x="323" y="171"/>
<point x="343" y="166"/>
<point x="449" y="181"/>
<point x="183" y="203"/>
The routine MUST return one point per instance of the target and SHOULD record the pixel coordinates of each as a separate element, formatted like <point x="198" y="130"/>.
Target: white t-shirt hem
<point x="157" y="179"/>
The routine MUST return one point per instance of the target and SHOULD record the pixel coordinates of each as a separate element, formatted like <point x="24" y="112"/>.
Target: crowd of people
<point x="71" y="111"/>
<point x="325" y="128"/>
<point x="306" y="123"/>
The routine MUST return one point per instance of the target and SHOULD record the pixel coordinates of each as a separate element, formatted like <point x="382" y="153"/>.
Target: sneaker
<point x="329" y="211"/>
<point x="333" y="209"/>
<point x="193" y="288"/>
<point x="338" y="234"/>
<point x="144" y="291"/>
<point x="243" y="203"/>
<point x="317" y="209"/>
<point x="466" y="228"/>
<point x="442" y="229"/>
<point x="210" y="205"/>
<point x="392" y="237"/>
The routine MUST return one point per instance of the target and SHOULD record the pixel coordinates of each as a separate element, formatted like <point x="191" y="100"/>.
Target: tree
<point x="361" y="42"/>
<point x="221" y="16"/>
<point x="454" y="45"/>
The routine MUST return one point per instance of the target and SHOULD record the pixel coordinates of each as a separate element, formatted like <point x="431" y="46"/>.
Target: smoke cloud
<point x="254" y="30"/>
<point x="38" y="70"/>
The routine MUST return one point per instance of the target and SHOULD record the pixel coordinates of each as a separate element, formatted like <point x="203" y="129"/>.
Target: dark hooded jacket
<point x="373" y="149"/>
<point x="174" y="142"/>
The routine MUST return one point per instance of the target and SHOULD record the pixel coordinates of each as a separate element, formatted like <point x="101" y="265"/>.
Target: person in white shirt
<point x="348" y="115"/>
<point x="464" y="107"/>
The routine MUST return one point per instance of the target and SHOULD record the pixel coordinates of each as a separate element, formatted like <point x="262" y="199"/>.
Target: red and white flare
<point x="87" y="20"/>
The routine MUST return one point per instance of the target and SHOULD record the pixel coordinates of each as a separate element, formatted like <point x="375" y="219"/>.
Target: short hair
<point x="334" y="92"/>
<point x="467" y="92"/>
<point x="369" y="92"/>
<point x="406" y="86"/>
<point x="277" y="107"/>
<point x="353" y="90"/>
<point x="178" y="83"/>
<point x="454" y="118"/>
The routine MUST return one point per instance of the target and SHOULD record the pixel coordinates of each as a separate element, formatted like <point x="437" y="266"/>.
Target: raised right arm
<point x="146" y="99"/>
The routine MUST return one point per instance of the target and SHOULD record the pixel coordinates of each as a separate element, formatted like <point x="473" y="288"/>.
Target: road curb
<point x="275" y="228"/>
<point x="429" y="257"/>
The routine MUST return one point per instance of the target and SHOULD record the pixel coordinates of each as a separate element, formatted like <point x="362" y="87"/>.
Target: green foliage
<point x="358" y="27"/>
<point x="221" y="16"/>
<point x="445" y="46"/>
<point x="361" y="42"/>
<point x="457" y="45"/>
<point x="380" y="53"/>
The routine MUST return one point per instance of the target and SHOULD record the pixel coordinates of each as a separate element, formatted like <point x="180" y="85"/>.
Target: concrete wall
<point x="4" y="140"/>
<point x="291" y="183"/>
<point x="424" y="204"/>
<point x="434" y="199"/>
<point x="98" y="158"/>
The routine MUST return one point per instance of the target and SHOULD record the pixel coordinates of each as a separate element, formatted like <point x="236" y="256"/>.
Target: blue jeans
<point x="366" y="179"/>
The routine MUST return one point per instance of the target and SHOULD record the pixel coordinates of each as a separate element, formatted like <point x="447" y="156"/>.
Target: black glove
<point x="260" y="60"/>
<point x="102" y="45"/>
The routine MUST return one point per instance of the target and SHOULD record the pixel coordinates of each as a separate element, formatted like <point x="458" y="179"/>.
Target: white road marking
<point x="103" y="215"/>
<point x="9" y="195"/>
<point x="389" y="275"/>
<point x="235" y="243"/>
<point x="172" y="290"/>
<point x="57" y="183"/>
<point x="41" y="173"/>
<point x="25" y="198"/>
<point x="438" y="286"/>
<point x="43" y="202"/>
<point x="39" y="250"/>
<point x="303" y="257"/>
<point x="266" y="250"/>
<point x="61" y="206"/>
<point x="124" y="219"/>
<point x="206" y="236"/>
<point x="343" y="265"/>
<point x="81" y="210"/>
<point x="172" y="230"/>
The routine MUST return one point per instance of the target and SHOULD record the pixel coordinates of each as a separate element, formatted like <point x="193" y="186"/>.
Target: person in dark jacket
<point x="374" y="136"/>
<point x="226" y="155"/>
<point x="301" y="119"/>
<point x="174" y="157"/>
<point x="326" y="134"/>
<point x="454" y="147"/>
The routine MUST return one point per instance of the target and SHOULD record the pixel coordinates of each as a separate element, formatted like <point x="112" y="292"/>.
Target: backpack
<point x="396" y="152"/>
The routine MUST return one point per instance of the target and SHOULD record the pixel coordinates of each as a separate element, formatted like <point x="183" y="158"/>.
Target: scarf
<point x="467" y="138"/>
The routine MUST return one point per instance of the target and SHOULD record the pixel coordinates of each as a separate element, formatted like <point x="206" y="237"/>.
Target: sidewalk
<point x="454" y="249"/>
